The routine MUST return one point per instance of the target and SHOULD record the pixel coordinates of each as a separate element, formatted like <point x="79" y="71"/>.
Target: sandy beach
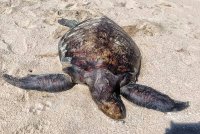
<point x="166" y="31"/>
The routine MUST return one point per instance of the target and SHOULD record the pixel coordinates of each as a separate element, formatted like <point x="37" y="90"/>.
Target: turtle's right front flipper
<point x="47" y="82"/>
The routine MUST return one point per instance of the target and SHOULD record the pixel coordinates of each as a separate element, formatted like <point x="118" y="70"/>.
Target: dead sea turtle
<point x="99" y="53"/>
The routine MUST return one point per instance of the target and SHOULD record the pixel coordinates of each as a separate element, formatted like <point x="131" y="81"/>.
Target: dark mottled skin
<point x="49" y="82"/>
<point x="97" y="52"/>
<point x="150" y="98"/>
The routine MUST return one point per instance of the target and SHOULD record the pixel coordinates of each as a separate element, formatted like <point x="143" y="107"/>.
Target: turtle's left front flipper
<point x="46" y="82"/>
<point x="150" y="98"/>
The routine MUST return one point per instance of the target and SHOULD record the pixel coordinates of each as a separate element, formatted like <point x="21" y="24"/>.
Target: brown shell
<point x="100" y="43"/>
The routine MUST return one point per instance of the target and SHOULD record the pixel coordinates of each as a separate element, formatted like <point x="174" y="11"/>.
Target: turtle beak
<point x="114" y="107"/>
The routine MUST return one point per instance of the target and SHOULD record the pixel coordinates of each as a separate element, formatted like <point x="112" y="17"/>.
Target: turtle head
<point x="112" y="107"/>
<point x="104" y="89"/>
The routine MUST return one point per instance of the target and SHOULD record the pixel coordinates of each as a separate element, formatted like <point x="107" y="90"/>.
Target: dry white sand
<point x="166" y="31"/>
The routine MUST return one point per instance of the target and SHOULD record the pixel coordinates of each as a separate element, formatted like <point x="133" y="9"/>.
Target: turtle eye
<point x="107" y="81"/>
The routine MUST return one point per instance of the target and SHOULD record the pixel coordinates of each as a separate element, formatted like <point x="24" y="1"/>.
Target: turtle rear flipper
<point x="150" y="98"/>
<point x="68" y="23"/>
<point x="47" y="82"/>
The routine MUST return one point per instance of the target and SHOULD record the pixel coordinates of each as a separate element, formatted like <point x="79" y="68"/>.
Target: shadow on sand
<point x="183" y="128"/>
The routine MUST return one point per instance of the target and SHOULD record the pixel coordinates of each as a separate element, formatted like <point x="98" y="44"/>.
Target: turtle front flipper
<point x="150" y="98"/>
<point x="47" y="82"/>
<point x="68" y="23"/>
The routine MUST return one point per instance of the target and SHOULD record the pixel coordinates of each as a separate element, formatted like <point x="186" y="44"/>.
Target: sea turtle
<point x="99" y="53"/>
